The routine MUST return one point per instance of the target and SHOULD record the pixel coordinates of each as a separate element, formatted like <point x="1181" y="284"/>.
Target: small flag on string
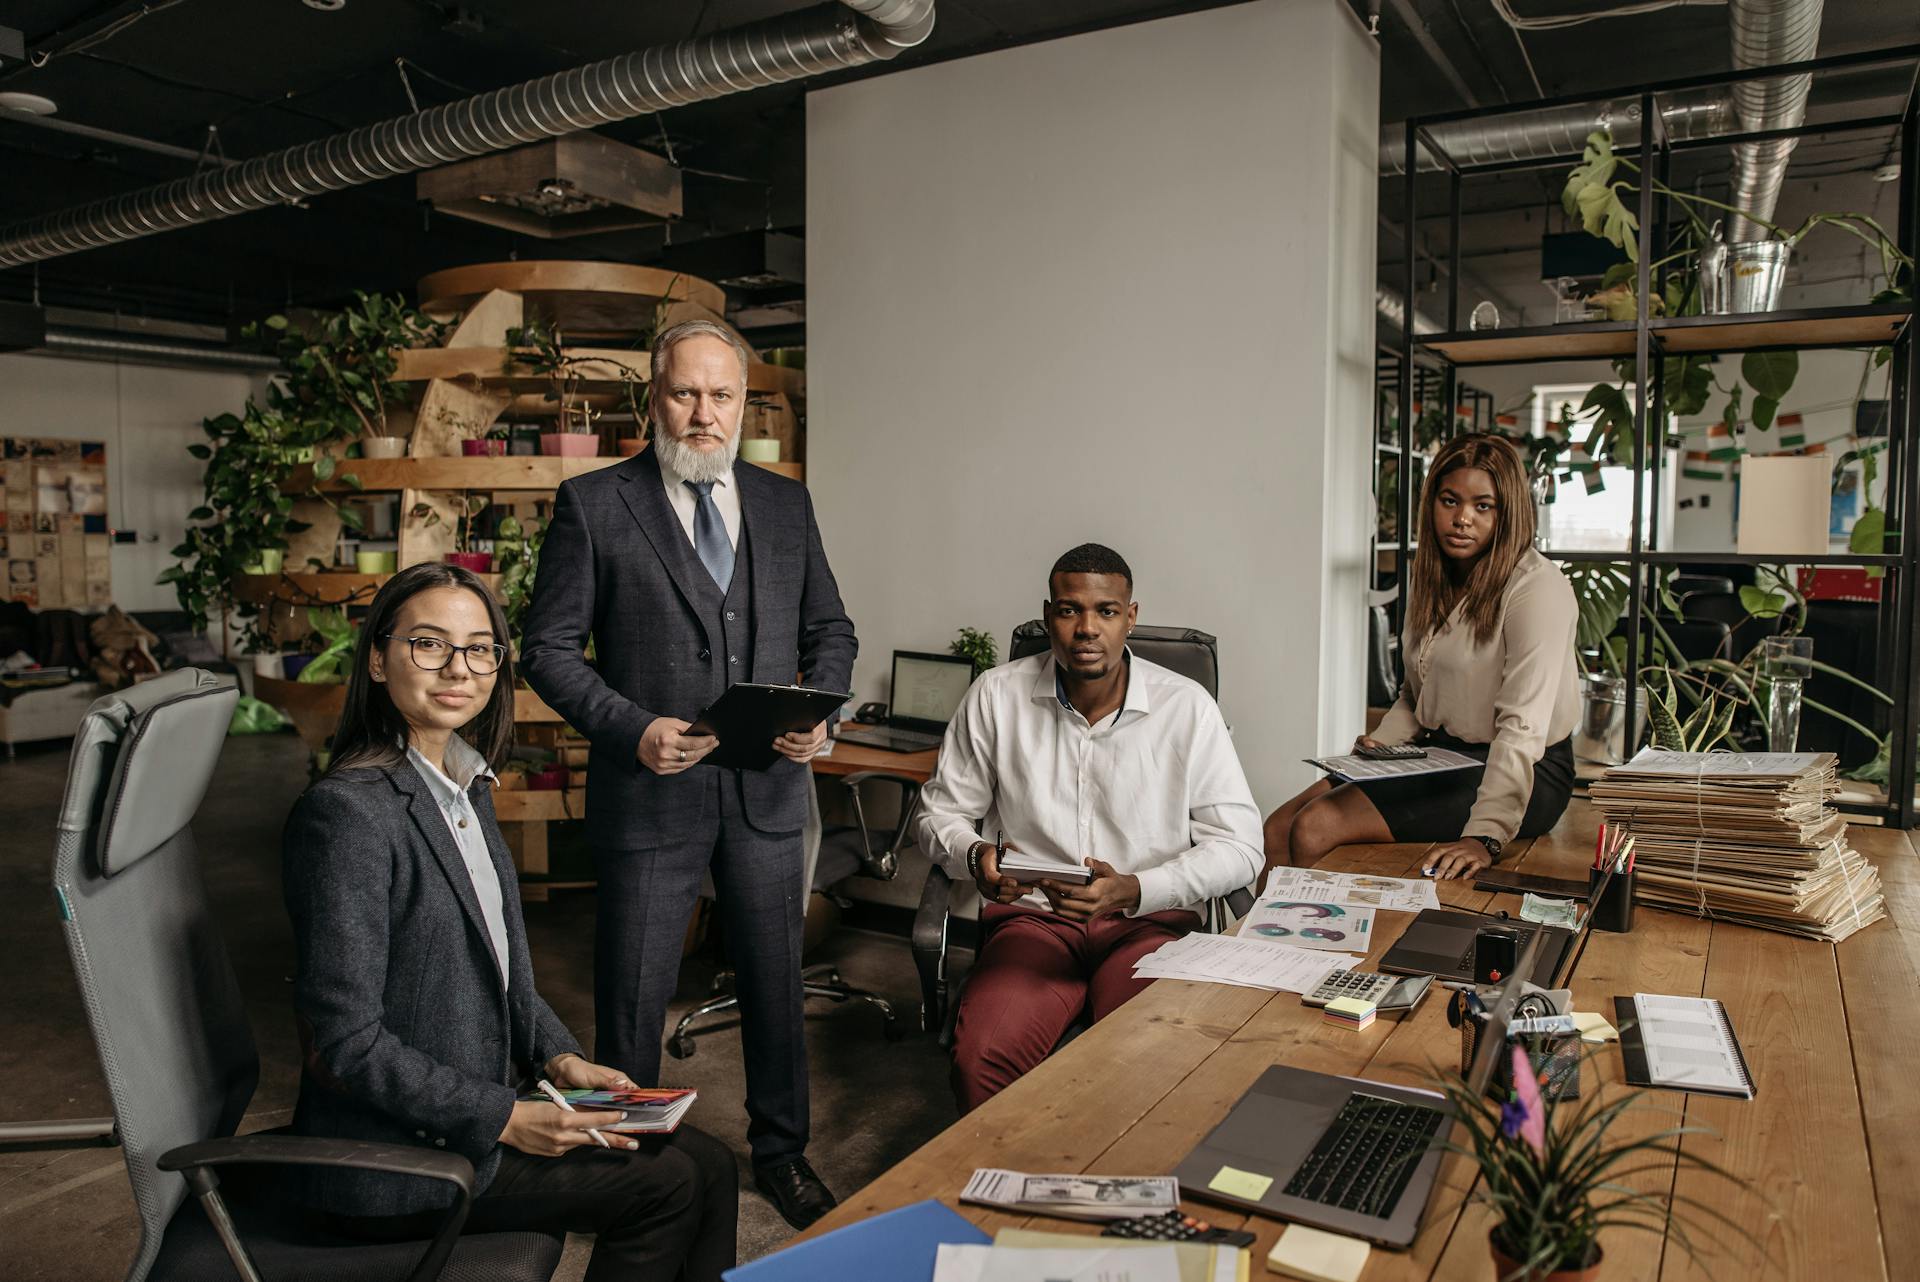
<point x="1792" y="431"/>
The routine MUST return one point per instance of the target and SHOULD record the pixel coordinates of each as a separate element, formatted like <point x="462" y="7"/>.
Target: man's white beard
<point x="692" y="463"/>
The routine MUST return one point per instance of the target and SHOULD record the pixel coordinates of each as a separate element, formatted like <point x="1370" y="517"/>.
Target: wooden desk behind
<point x="1831" y="1144"/>
<point x="852" y="758"/>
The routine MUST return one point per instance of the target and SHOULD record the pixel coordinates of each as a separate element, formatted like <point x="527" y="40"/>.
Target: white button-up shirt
<point x="726" y="497"/>
<point x="1156" y="790"/>
<point x="449" y="789"/>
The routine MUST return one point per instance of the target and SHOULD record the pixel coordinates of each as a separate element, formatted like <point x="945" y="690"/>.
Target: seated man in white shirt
<point x="1086" y="755"/>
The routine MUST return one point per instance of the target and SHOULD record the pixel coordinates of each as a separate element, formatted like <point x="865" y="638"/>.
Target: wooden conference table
<point x="1830" y="1144"/>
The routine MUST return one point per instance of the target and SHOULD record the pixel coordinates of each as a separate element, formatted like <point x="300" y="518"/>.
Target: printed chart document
<point x="1092" y="1263"/>
<point x="1352" y="766"/>
<point x="1250" y="963"/>
<point x="1077" y="1197"/>
<point x="1307" y="924"/>
<point x="1352" y="889"/>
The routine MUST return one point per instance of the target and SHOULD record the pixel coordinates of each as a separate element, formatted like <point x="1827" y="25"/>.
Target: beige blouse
<point x="1518" y="694"/>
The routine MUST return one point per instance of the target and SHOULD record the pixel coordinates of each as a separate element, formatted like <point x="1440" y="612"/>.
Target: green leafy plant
<point x="1553" y="1173"/>
<point x="338" y="367"/>
<point x="541" y="348"/>
<point x="516" y="558"/>
<point x="972" y="643"/>
<point x="1703" y="728"/>
<point x="338" y="637"/>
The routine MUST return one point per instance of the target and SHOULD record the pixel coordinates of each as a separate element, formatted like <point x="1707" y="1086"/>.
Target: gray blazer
<point x="617" y="566"/>
<point x="406" y="1033"/>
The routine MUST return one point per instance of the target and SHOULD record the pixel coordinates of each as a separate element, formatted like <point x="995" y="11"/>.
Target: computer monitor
<point x="927" y="689"/>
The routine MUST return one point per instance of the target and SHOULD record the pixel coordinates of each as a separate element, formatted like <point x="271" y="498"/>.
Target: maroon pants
<point x="1036" y="974"/>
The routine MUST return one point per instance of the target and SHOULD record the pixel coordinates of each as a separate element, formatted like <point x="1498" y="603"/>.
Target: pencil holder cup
<point x="1556" y="1059"/>
<point x="1614" y="909"/>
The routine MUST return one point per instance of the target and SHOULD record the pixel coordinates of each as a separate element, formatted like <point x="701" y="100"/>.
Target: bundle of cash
<point x="1074" y="1197"/>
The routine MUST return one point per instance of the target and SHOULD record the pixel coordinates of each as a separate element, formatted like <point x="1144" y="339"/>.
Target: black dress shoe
<point x="795" y="1191"/>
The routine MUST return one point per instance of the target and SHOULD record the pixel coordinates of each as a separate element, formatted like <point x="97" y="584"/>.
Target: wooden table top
<point x="1830" y="1144"/>
<point x="850" y="758"/>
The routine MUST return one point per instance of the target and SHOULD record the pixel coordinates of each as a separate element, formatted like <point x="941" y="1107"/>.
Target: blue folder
<point x="898" y="1246"/>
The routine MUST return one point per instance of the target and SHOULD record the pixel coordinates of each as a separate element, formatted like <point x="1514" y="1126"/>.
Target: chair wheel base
<point x="680" y="1046"/>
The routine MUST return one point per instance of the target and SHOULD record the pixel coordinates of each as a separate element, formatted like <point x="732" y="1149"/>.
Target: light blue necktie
<point x="710" y="535"/>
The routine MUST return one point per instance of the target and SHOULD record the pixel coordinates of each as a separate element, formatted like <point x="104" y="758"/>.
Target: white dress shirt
<point x="1156" y="790"/>
<point x="726" y="497"/>
<point x="449" y="788"/>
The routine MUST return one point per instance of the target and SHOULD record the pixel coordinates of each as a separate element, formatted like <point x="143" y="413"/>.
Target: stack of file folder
<point x="1745" y="837"/>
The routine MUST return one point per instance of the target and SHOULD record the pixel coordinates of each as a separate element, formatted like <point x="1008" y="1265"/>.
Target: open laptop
<point x="927" y="689"/>
<point x="1345" y="1154"/>
<point x="1439" y="942"/>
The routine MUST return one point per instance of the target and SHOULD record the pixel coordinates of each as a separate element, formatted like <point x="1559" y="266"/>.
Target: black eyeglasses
<point x="432" y="654"/>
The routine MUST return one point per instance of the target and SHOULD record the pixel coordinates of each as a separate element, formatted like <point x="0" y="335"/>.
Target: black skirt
<point x="1435" y="807"/>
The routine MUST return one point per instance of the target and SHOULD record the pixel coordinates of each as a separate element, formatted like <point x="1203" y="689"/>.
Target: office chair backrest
<point x="1188" y="651"/>
<point x="161" y="996"/>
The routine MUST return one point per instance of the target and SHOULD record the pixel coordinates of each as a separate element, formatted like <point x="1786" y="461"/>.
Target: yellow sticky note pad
<point x="1594" y="1028"/>
<point x="1237" y="1183"/>
<point x="1318" y="1256"/>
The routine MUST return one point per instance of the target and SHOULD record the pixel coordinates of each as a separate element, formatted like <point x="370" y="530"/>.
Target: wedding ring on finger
<point x="683" y="754"/>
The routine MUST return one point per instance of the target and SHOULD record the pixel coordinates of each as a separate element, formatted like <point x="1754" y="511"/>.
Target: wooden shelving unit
<point x="513" y="473"/>
<point x="1807" y="329"/>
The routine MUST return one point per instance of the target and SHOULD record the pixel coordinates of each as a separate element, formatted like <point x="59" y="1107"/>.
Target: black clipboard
<point x="749" y="717"/>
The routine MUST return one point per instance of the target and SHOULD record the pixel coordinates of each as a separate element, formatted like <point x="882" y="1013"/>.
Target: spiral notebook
<point x="1681" y="1043"/>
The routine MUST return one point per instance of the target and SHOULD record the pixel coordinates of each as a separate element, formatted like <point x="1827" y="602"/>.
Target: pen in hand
<point x="546" y="1088"/>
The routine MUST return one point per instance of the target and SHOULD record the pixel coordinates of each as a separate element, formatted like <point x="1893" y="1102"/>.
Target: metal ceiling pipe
<point x="1556" y="131"/>
<point x="1388" y="305"/>
<point x="832" y="37"/>
<point x="1765" y="33"/>
<point x="108" y="345"/>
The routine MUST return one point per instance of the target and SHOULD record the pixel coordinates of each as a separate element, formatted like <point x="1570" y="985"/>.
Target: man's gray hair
<point x="668" y="339"/>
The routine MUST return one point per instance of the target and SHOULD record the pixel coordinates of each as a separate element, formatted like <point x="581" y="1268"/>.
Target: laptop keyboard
<point x="913" y="740"/>
<point x="1367" y="1155"/>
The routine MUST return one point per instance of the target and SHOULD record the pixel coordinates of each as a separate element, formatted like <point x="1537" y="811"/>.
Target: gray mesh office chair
<point x="168" y="1018"/>
<point x="1188" y="651"/>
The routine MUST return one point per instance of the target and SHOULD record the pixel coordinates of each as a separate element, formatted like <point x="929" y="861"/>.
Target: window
<point x="1583" y="518"/>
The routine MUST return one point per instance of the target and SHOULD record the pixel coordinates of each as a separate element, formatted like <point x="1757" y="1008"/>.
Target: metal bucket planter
<point x="1756" y="269"/>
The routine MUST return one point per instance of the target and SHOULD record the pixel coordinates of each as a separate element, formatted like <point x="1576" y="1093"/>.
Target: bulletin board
<point x="56" y="546"/>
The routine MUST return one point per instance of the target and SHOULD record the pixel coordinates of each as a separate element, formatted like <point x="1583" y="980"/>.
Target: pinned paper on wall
<point x="56" y="513"/>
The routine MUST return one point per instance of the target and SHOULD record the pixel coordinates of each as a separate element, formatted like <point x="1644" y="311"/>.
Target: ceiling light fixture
<point x="30" y="103"/>
<point x="325" y="6"/>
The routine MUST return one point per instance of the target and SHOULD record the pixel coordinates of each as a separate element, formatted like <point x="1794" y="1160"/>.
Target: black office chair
<point x="171" y="1027"/>
<point x="1383" y="658"/>
<point x="1188" y="651"/>
<point x="834" y="855"/>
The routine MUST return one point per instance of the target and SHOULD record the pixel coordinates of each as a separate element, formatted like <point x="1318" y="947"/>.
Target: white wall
<point x="1116" y="288"/>
<point x="147" y="416"/>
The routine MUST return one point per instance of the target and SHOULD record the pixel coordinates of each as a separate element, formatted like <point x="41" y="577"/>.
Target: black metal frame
<point x="1900" y="597"/>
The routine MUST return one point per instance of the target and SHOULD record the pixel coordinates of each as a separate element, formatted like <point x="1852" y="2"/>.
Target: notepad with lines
<point x="1684" y="1043"/>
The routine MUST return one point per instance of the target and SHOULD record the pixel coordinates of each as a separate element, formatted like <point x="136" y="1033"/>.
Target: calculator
<point x="1395" y="752"/>
<point x="1363" y="985"/>
<point x="1177" y="1226"/>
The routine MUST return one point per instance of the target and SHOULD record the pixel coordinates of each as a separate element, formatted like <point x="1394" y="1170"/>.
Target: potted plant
<point x="337" y="637"/>
<point x="339" y="368"/>
<point x="541" y="348"/>
<point x="972" y="643"/>
<point x="492" y="445"/>
<point x="516" y="552"/>
<point x="1552" y="1172"/>
<point x="464" y="510"/>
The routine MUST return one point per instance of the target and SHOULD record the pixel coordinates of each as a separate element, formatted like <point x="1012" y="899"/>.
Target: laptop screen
<point x="927" y="688"/>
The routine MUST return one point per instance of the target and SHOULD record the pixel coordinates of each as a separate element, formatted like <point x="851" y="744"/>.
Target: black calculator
<point x="1177" y="1226"/>
<point x="1393" y="752"/>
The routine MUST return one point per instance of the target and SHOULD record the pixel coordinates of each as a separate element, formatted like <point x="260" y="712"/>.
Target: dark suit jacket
<point x="617" y="566"/>
<point x="407" y="1035"/>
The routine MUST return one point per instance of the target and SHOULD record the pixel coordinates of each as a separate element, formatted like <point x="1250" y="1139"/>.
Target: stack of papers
<point x="1250" y="963"/>
<point x="1745" y="837"/>
<point x="1075" y="1197"/>
<point x="1348" y="1012"/>
<point x="1352" y="766"/>
<point x="1199" y="1261"/>
<point x="1306" y="923"/>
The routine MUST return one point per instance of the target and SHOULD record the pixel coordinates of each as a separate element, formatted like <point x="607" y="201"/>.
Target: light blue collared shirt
<point x="449" y="788"/>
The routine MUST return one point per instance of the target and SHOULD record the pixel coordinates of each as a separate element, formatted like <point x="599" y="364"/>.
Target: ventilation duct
<point x="833" y="37"/>
<point x="1557" y="131"/>
<point x="1387" y="304"/>
<point x="107" y="345"/>
<point x="1767" y="32"/>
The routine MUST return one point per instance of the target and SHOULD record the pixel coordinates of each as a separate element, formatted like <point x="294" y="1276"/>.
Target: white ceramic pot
<point x="760" y="449"/>
<point x="268" y="666"/>
<point x="383" y="447"/>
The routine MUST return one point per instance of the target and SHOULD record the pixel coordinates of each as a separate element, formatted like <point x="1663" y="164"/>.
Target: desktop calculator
<point x="1177" y="1226"/>
<point x="1365" y="985"/>
<point x="1392" y="752"/>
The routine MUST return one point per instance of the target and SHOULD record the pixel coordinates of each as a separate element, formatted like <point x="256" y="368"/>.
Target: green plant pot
<point x="268" y="562"/>
<point x="375" y="562"/>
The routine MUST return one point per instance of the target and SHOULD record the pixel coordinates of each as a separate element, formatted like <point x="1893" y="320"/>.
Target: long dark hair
<point x="1478" y="592"/>
<point x="371" y="731"/>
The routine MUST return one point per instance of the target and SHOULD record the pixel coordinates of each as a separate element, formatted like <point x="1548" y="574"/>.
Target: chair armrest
<point x="887" y="863"/>
<point x="196" y="1163"/>
<point x="1240" y="901"/>
<point x="930" y="947"/>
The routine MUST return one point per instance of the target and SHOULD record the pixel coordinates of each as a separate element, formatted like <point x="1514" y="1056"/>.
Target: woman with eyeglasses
<point x="419" y="1022"/>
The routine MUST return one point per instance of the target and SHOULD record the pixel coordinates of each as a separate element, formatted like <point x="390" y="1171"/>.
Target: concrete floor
<point x="69" y="1215"/>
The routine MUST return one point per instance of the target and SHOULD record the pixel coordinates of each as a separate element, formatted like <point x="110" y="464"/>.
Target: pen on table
<point x="546" y="1088"/>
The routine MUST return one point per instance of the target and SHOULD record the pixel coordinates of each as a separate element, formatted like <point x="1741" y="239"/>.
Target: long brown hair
<point x="371" y="731"/>
<point x="1436" y="589"/>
